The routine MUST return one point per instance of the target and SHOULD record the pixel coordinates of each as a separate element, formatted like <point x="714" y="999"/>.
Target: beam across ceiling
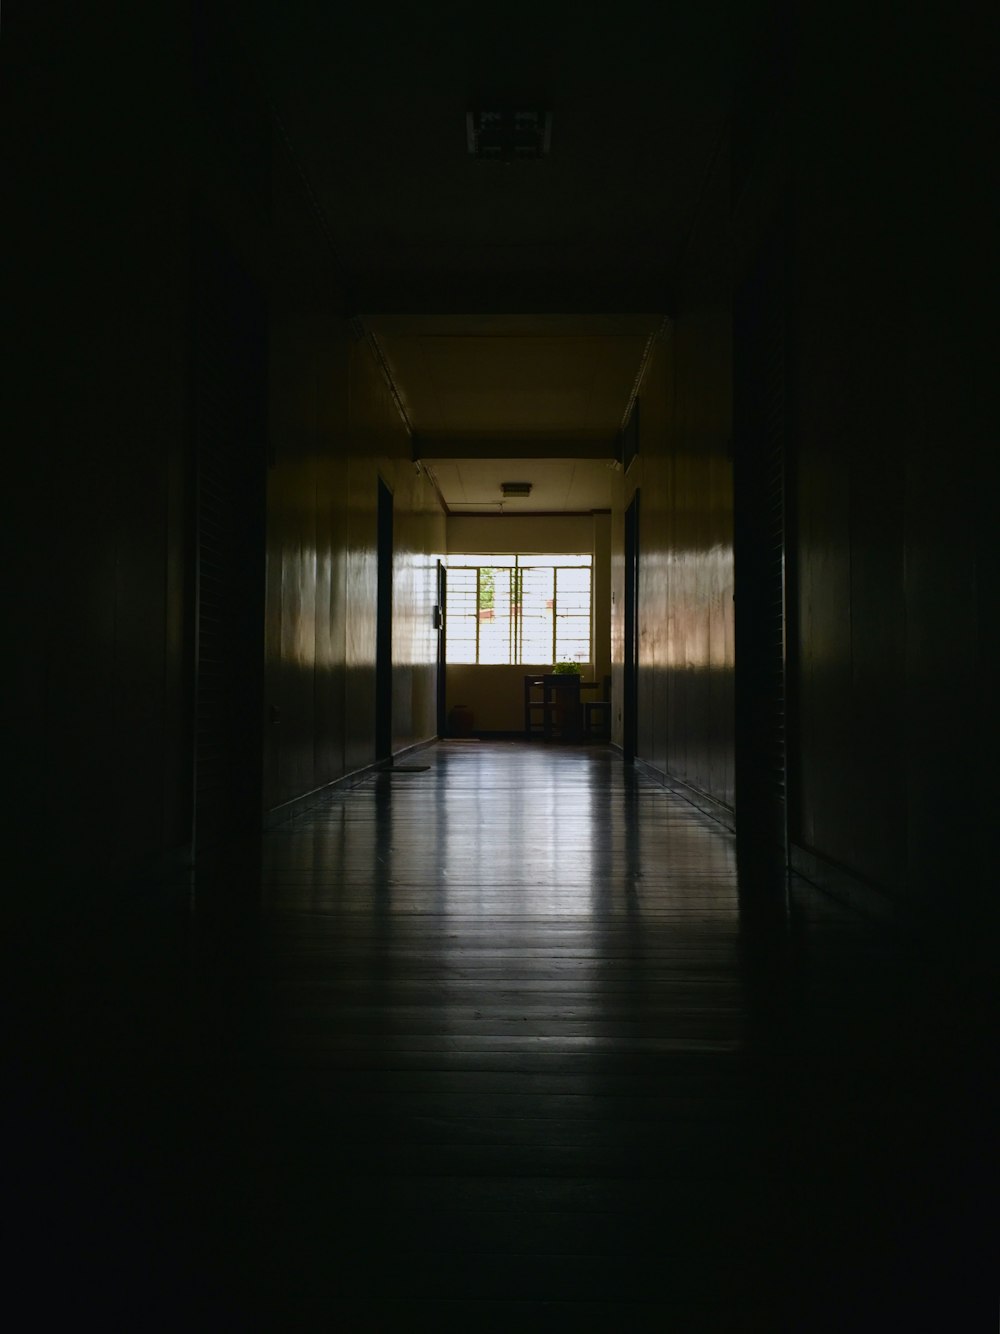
<point x="551" y="386"/>
<point x="472" y="446"/>
<point x="554" y="486"/>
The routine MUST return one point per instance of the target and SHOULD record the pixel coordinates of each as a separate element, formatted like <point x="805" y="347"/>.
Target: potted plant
<point x="566" y="701"/>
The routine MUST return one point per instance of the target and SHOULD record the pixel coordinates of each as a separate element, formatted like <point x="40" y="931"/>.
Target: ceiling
<point x="558" y="486"/>
<point x="521" y="384"/>
<point x="503" y="297"/>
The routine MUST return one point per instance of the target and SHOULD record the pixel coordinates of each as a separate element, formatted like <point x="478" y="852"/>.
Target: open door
<point x="442" y="665"/>
<point x="229" y="448"/>
<point x="630" y="685"/>
<point x="761" y="500"/>
<point x="383" y="641"/>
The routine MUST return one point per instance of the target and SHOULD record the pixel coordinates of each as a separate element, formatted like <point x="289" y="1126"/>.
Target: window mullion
<point x="555" y="611"/>
<point x="522" y="596"/>
<point x="515" y="614"/>
<point x="479" y="575"/>
<point x="511" y="619"/>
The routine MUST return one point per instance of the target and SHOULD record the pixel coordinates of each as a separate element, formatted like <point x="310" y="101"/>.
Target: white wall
<point x="510" y="533"/>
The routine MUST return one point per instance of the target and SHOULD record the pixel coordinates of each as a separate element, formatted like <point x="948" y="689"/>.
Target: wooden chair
<point x="602" y="709"/>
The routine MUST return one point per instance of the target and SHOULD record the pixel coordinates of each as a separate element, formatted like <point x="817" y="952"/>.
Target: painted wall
<point x="893" y="535"/>
<point x="335" y="430"/>
<point x="97" y="432"/>
<point x="100" y="374"/>
<point x="683" y="475"/>
<point x="520" y="532"/>
<point x="889" y="537"/>
<point x="495" y="694"/>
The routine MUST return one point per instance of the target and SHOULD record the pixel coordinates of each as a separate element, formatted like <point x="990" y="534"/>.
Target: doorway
<point x="630" y="684"/>
<point x="383" y="632"/>
<point x="439" y="625"/>
<point x="760" y="505"/>
<point x="229" y="464"/>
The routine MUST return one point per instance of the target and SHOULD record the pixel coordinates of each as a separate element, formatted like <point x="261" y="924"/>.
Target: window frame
<point x="514" y="564"/>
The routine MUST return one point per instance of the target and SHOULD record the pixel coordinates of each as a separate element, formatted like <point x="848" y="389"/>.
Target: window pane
<point x="494" y="615"/>
<point x="519" y="609"/>
<point x="460" y="636"/>
<point x="536" y="615"/>
<point x="572" y="615"/>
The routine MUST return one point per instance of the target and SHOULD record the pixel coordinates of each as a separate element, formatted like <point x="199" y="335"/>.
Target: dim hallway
<point x="311" y="306"/>
<point x="503" y="1043"/>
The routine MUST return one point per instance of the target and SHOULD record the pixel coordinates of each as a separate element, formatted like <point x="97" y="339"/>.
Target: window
<point x="518" y="609"/>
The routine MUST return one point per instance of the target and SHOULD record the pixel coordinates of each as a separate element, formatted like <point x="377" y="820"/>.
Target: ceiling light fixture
<point x="508" y="136"/>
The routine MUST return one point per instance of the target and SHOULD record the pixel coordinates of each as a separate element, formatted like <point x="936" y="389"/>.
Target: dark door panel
<point x="760" y="415"/>
<point x="383" y="638"/>
<point x="630" y="684"/>
<point x="229" y="408"/>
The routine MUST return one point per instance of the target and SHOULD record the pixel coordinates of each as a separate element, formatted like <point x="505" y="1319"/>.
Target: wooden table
<point x="559" y="705"/>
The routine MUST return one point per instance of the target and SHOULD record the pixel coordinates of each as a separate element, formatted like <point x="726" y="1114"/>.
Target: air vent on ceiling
<point x="516" y="488"/>
<point x="508" y="136"/>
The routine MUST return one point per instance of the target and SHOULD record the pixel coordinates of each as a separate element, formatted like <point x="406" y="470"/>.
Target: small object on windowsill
<point x="566" y="669"/>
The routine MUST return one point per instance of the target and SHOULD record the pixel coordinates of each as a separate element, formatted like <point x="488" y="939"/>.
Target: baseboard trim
<point x="846" y="887"/>
<point x="412" y="750"/>
<point x="818" y="871"/>
<point x="288" y="810"/>
<point x="490" y="734"/>
<point x="702" y="801"/>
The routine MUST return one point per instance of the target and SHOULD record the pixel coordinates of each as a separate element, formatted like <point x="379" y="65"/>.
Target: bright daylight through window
<point x="518" y="609"/>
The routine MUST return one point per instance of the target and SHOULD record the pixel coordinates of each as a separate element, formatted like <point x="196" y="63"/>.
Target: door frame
<point x="383" y="626"/>
<point x="229" y="337"/>
<point x="440" y="613"/>
<point x="762" y="575"/>
<point x="630" y="684"/>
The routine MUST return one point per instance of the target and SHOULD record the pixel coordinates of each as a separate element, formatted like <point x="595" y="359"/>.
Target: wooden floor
<point x="503" y="1044"/>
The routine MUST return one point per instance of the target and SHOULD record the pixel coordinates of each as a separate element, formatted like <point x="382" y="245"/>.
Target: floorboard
<point x="501" y="1044"/>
